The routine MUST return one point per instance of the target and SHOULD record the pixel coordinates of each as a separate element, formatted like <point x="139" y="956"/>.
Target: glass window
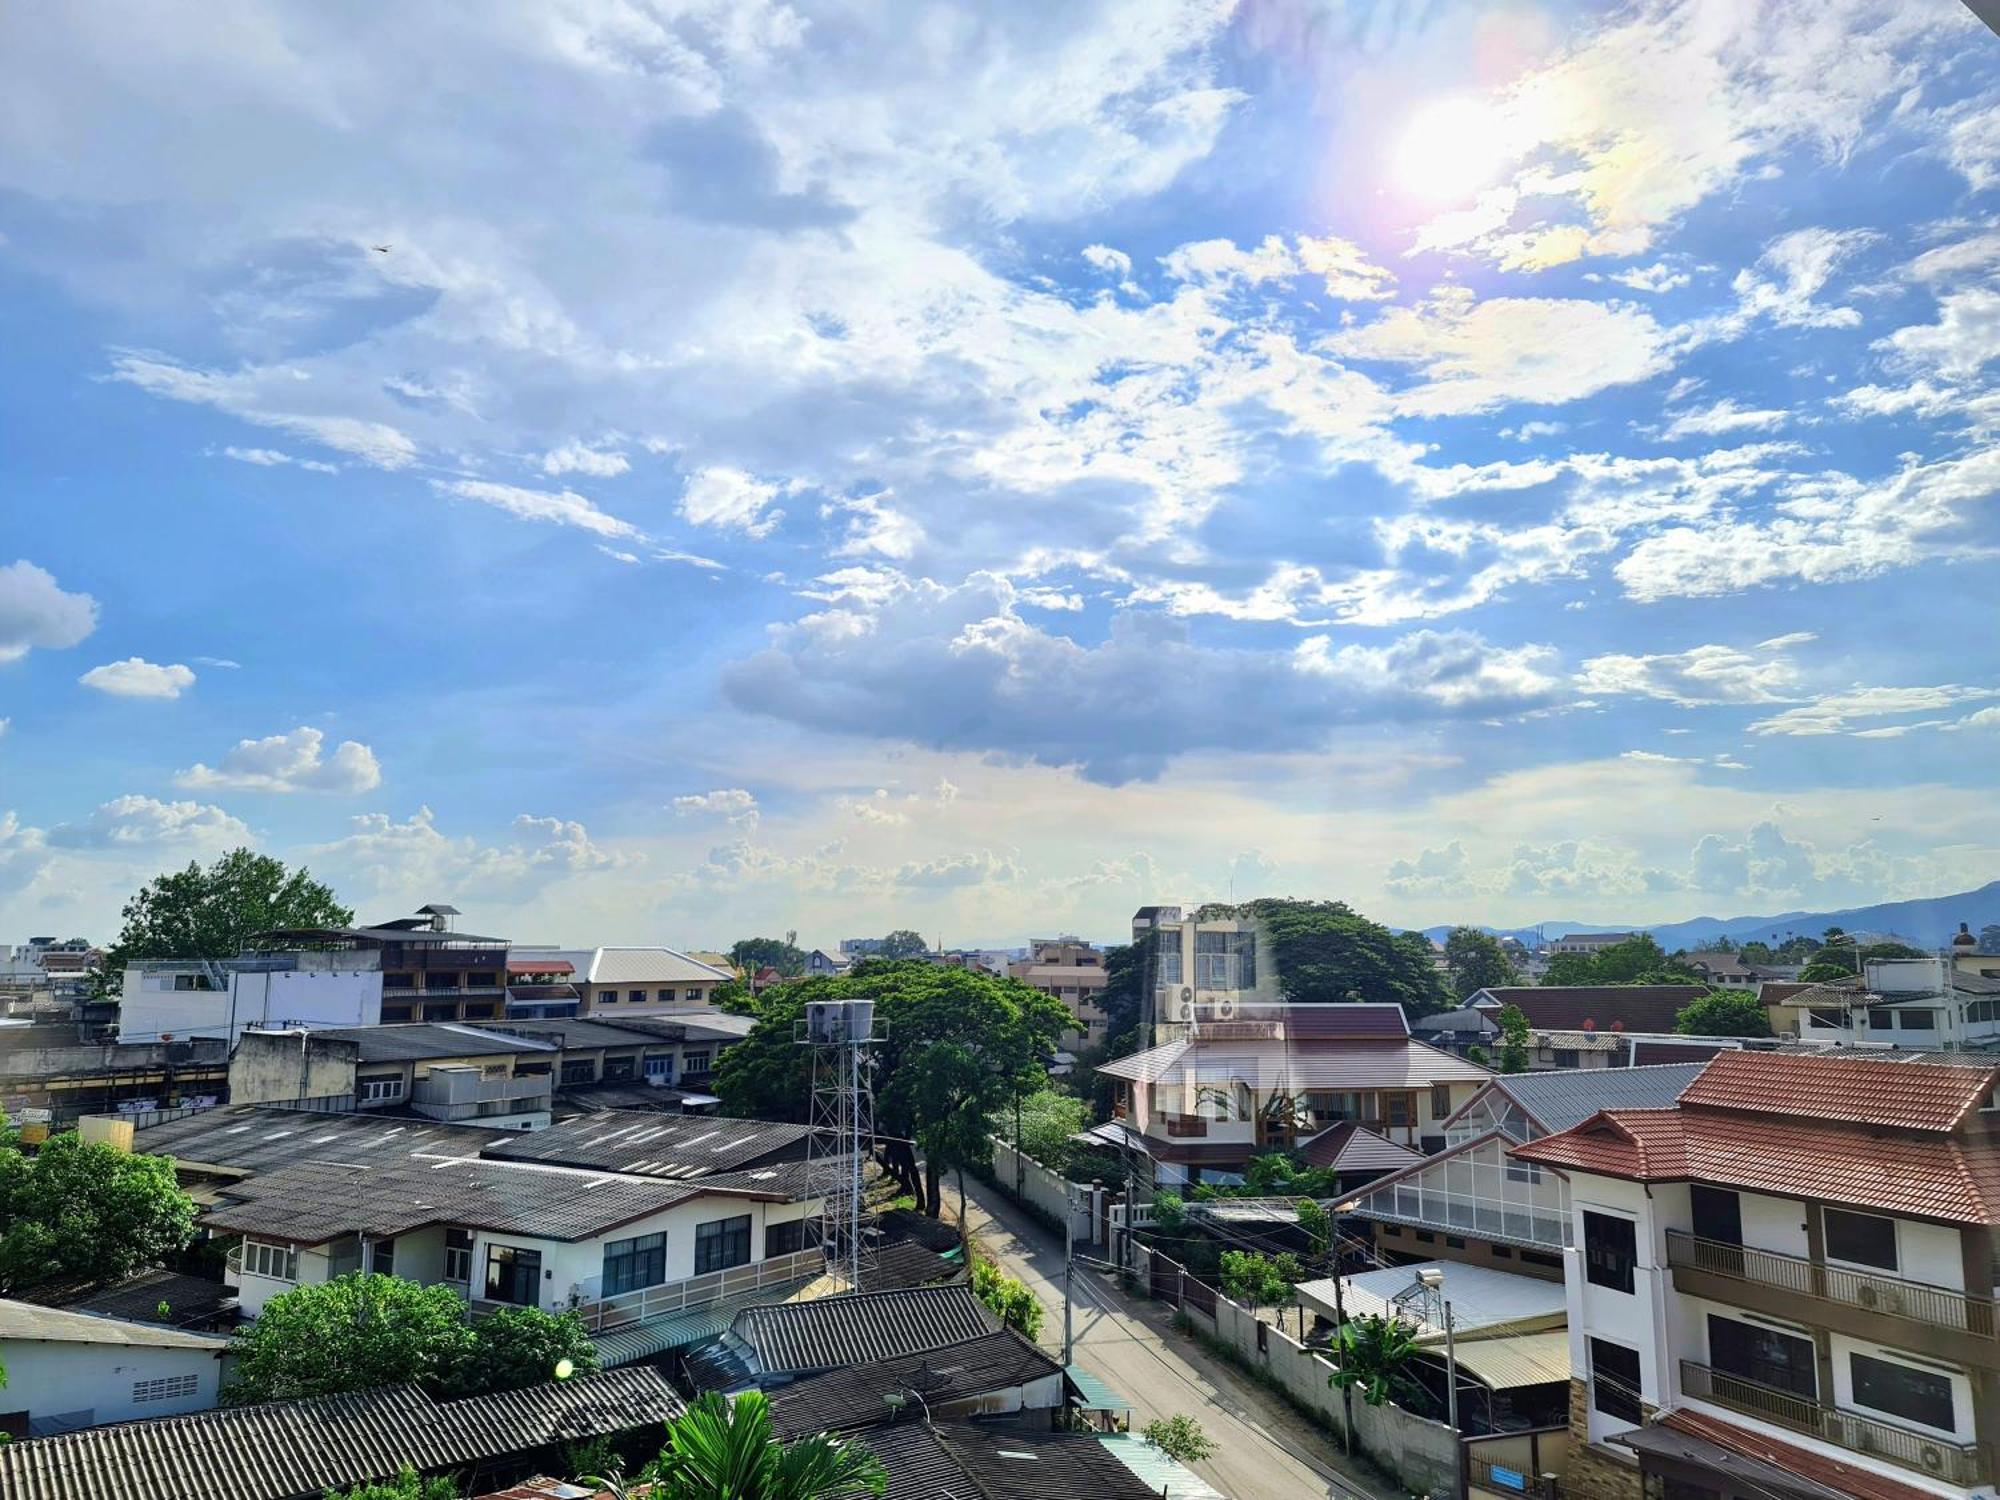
<point x="607" y="997"/>
<point x="579" y="1072"/>
<point x="1614" y="1380"/>
<point x="382" y="1257"/>
<point x="1397" y="1108"/>
<point x="722" y="1243"/>
<point x="1768" y="1356"/>
<point x="663" y="996"/>
<point x="458" y="1255"/>
<point x="635" y="1263"/>
<point x="692" y="993"/>
<point x="483" y="980"/>
<point x="277" y="1262"/>
<point x="1610" y="1247"/>
<point x="1861" y="1239"/>
<point x="1881" y="1018"/>
<point x="1170" y="965"/>
<point x="661" y="1065"/>
<point x="1918" y="1020"/>
<point x="783" y="1239"/>
<point x="695" y="1062"/>
<point x="1921" y="1396"/>
<point x="1440" y="1100"/>
<point x="1566" y="1057"/>
<point x="637" y="997"/>
<point x="379" y="1090"/>
<point x="513" y="1275"/>
<point x="441" y="981"/>
<point x="1523" y="1171"/>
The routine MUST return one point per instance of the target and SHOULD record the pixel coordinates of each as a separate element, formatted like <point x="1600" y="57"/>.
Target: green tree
<point x="407" y="1485"/>
<point x="1007" y="1298"/>
<point x="1634" y="961"/>
<point x="733" y="997"/>
<point x="1371" y="1354"/>
<point x="720" y="1449"/>
<point x="1847" y="958"/>
<point x="1325" y="951"/>
<point x="1570" y="968"/>
<point x="958" y="1044"/>
<point x="212" y="913"/>
<point x="1315" y="1223"/>
<point x="1724" y="1013"/>
<point x="1513" y="1022"/>
<point x="1048" y="1120"/>
<point x="74" y="1210"/>
<point x="1476" y="961"/>
<point x="1180" y="1437"/>
<point x="521" y="1346"/>
<point x="1169" y="1211"/>
<point x="1257" y="1279"/>
<point x="350" y="1334"/>
<point x="904" y="942"/>
<point x="782" y="954"/>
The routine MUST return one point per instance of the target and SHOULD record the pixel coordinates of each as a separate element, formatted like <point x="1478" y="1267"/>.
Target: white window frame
<point x="271" y="1261"/>
<point x="459" y="1256"/>
<point x="380" y="1090"/>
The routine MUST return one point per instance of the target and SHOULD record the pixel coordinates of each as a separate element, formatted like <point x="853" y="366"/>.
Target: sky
<point x="662" y="472"/>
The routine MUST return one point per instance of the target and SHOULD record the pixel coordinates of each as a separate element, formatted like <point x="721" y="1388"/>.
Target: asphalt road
<point x="1266" y="1451"/>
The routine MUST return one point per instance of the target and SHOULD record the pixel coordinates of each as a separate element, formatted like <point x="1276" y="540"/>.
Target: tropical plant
<point x="1169" y="1211"/>
<point x="1007" y="1297"/>
<point x="407" y="1485"/>
<point x="1180" y="1437"/>
<point x="1317" y="1226"/>
<point x="78" y="1210"/>
<point x="720" y="1449"/>
<point x="1371" y="1355"/>
<point x="1513" y="1023"/>
<point x="1258" y="1279"/>
<point x="1048" y="1120"/>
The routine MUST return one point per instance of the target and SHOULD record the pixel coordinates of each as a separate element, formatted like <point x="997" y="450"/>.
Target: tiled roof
<point x="248" y="1139"/>
<point x="653" y="1145"/>
<point x="418" y="1041"/>
<point x="829" y="1332"/>
<point x="1565" y="1007"/>
<point x="1925" y="1176"/>
<point x="1868" y="1091"/>
<point x="191" y="1301"/>
<point x="1556" y="1101"/>
<point x="1334" y="1065"/>
<point x="1147" y="1066"/>
<point x="296" y="1450"/>
<point x="1375" y="1021"/>
<point x="851" y="1399"/>
<point x="1350" y="1147"/>
<point x="1806" y="1463"/>
<point x="55" y="1325"/>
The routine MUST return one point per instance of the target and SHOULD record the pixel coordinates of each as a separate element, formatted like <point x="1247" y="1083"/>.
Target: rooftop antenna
<point x="843" y="1120"/>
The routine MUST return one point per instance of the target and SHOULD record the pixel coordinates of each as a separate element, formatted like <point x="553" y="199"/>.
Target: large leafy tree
<point x="1513" y="1023"/>
<point x="1476" y="961"/>
<point x="782" y="954"/>
<point x="211" y="913"/>
<point x="1846" y="958"/>
<point x="1639" y="959"/>
<point x="350" y="1334"/>
<point x="1325" y="951"/>
<point x="521" y="1346"/>
<point x="1258" y="1279"/>
<point x="1724" y="1013"/>
<point x="904" y="942"/>
<point x="74" y="1210"/>
<point x="957" y="1045"/>
<point x="719" y="1449"/>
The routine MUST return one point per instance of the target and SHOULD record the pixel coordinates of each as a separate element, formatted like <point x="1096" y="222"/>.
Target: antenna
<point x="843" y="1120"/>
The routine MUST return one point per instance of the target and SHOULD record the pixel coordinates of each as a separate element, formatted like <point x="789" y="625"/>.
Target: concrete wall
<point x="150" y="1007"/>
<point x="64" y="1386"/>
<point x="269" y="1066"/>
<point x="1043" y="1190"/>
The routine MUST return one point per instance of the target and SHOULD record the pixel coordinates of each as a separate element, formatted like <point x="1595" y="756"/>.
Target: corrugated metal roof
<point x="652" y="1145"/>
<point x="1559" y="1100"/>
<point x="55" y="1325"/>
<point x="649" y="966"/>
<point x="247" y="1139"/>
<point x="1565" y="1007"/>
<point x="1480" y="1297"/>
<point x="1021" y="1463"/>
<point x="1094" y="1394"/>
<point x="1506" y="1364"/>
<point x="296" y="1450"/>
<point x="1161" y="1475"/>
<point x="832" y="1331"/>
<point x="1331" y="1065"/>
<point x="417" y="1041"/>
<point x="851" y="1400"/>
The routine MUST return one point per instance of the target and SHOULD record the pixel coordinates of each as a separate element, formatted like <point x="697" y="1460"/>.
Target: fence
<point x="1047" y="1193"/>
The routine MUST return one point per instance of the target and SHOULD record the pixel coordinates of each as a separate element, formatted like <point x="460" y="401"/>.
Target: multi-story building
<point x="1784" y="1284"/>
<point x="1917" y="1004"/>
<point x="1198" y="966"/>
<point x="1589" y="944"/>
<point x="1587" y="1025"/>
<point x="1072" y="971"/>
<point x="1264" y="1077"/>
<point x="643" y="981"/>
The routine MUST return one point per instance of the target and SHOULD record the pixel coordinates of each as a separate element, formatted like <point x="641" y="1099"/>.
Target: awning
<point x="698" y="1325"/>
<point x="1093" y="1394"/>
<point x="540" y="966"/>
<point x="1667" y="1445"/>
<point x="1510" y="1363"/>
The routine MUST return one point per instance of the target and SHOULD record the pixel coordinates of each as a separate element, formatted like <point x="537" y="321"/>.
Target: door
<point x="514" y="1275"/>
<point x="1718" y="1222"/>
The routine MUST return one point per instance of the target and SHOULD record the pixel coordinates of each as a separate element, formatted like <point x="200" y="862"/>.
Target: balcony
<point x="1936" y="1457"/>
<point x="1933" y="1308"/>
<point x="1182" y="1126"/>
<point x="602" y="1314"/>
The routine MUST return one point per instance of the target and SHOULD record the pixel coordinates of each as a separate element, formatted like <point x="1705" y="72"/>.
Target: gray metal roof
<point x="850" y="1400"/>
<point x="830" y="1332"/>
<point x="1024" y="1464"/>
<point x="1570" y="1096"/>
<point x="248" y="1139"/>
<point x="297" y="1450"/>
<point x="55" y="1325"/>
<point x="420" y="1040"/>
<point x="655" y="1145"/>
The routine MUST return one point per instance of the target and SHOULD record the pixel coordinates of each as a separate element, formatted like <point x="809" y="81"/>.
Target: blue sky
<point x="842" y="466"/>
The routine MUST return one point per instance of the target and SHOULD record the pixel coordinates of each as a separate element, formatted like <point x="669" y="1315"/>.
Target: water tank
<point x="831" y="1022"/>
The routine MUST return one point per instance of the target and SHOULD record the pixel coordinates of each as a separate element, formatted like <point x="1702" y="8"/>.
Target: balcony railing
<point x="602" y="1314"/>
<point x="1939" y="1457"/>
<point x="1185" y="1125"/>
<point x="1932" y="1306"/>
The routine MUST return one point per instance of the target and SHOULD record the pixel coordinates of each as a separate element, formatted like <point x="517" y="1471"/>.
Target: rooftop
<point x="1861" y="1090"/>
<point x="1566" y="1007"/>
<point x="649" y="966"/>
<point x="1317" y="1064"/>
<point x="55" y="1325"/>
<point x="244" y="1138"/>
<point x="830" y="1332"/>
<point x="850" y="1400"/>
<point x="418" y="1041"/>
<point x="1484" y="1302"/>
<point x="654" y="1145"/>
<point x="297" y="1450"/>
<point x="1003" y="1462"/>
<point x="1556" y="1101"/>
<point x="1352" y="1147"/>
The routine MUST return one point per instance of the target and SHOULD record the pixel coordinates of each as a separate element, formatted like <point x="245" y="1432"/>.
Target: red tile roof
<point x="1863" y="1090"/>
<point x="1566" y="1007"/>
<point x="1848" y="1479"/>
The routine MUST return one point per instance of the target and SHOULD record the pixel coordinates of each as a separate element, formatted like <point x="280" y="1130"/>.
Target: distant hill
<point x="1928" y="923"/>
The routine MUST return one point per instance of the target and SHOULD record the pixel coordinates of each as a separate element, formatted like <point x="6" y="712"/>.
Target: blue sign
<point x="1506" y="1479"/>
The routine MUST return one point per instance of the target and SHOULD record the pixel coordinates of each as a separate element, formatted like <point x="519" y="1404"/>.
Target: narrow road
<point x="1265" y="1450"/>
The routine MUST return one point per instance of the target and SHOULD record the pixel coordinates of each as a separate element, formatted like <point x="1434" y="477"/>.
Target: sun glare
<point x="1450" y="149"/>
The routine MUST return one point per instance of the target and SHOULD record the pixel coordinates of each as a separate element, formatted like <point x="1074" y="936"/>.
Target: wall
<point x="1044" y="1191"/>
<point x="1776" y="1224"/>
<point x="64" y="1385"/>
<point x="150" y="1007"/>
<point x="279" y="1065"/>
<point x="1397" y="1242"/>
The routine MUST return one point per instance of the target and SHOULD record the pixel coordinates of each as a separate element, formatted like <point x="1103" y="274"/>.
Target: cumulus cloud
<point x="1111" y="262"/>
<point x="135" y="677"/>
<point x="732" y="803"/>
<point x="1700" y="675"/>
<point x="1445" y="872"/>
<point x="133" y="820"/>
<point x="291" y="762"/>
<point x="1964" y="339"/>
<point x="35" y="611"/>
<point x="577" y="457"/>
<point x="730" y="500"/>
<point x="403" y="859"/>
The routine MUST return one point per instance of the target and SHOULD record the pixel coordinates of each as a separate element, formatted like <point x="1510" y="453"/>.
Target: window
<point x="635" y="1263"/>
<point x="1920" y="1396"/>
<point x="1440" y="1100"/>
<point x="382" y="1257"/>
<point x="482" y="981"/>
<point x="695" y="1062"/>
<point x="441" y="981"/>
<point x="663" y="996"/>
<point x="1453" y="1242"/>
<point x="458" y="1255"/>
<point x="1523" y="1171"/>
<point x="783" y="1239"/>
<point x="1397" y="1107"/>
<point x="579" y="1072"/>
<point x="1170" y="965"/>
<point x="1881" y="1018"/>
<point x="1566" y="1057"/>
<point x="513" y="1275"/>
<point x="1392" y="1231"/>
<point x="607" y="997"/>
<point x="1610" y="1246"/>
<point x="637" y="997"/>
<point x="1425" y="1237"/>
<point x="1500" y="1252"/>
<point x="1537" y="1258"/>
<point x="692" y="993"/>
<point x="1768" y="1356"/>
<point x="166" y="1388"/>
<point x="722" y="1243"/>
<point x="1918" y="1020"/>
<point x="381" y="1090"/>
<point x="620" y="1069"/>
<point x="1614" y="1380"/>
<point x="398" y="982"/>
<point x="276" y="1262"/>
<point x="661" y="1066"/>
<point x="1860" y="1239"/>
<point x="1834" y="1018"/>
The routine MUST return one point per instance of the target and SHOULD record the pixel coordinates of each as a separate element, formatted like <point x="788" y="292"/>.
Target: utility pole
<point x="1069" y="1269"/>
<point x="1340" y="1332"/>
<point x="1451" y="1397"/>
<point x="1125" y="1237"/>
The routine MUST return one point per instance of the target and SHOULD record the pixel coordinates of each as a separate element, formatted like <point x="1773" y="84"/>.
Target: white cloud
<point x="135" y="820"/>
<point x="290" y="763"/>
<point x="1723" y="416"/>
<point x="255" y="395"/>
<point x="565" y="508"/>
<point x="1699" y="675"/>
<point x="1838" y="713"/>
<point x="1345" y="269"/>
<point x="1798" y="267"/>
<point x="270" y="458"/>
<point x="1209" y="262"/>
<point x="1973" y="146"/>
<point x="730" y="499"/>
<point x="35" y="611"/>
<point x="1658" y="277"/>
<point x="875" y="526"/>
<point x="733" y="803"/>
<point x="576" y="457"/>
<point x="135" y="677"/>
<point x="1964" y="339"/>
<point x="403" y="860"/>
<point x="979" y="868"/>
<point x="1111" y="262"/>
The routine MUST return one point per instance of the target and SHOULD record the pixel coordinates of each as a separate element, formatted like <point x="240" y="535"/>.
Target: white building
<point x="1917" y="1004"/>
<point x="1199" y="967"/>
<point x="174" y="999"/>
<point x="67" y="1370"/>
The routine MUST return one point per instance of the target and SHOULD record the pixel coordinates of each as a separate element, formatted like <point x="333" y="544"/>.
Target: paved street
<point x="1267" y="1451"/>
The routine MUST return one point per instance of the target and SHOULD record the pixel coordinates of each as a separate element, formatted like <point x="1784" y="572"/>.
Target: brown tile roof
<point x="1848" y="1479"/>
<point x="1379" y="1022"/>
<point x="1349" y="1147"/>
<point x="1863" y="1090"/>
<point x="1318" y="1064"/>
<point x="1565" y="1007"/>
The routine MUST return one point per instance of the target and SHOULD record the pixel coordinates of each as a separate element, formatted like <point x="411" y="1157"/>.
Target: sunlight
<point x="1449" y="149"/>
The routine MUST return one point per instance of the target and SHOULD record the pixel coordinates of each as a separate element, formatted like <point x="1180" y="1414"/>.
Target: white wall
<point x="1843" y="1385"/>
<point x="1774" y="1224"/>
<point x="1637" y="1319"/>
<point x="63" y="1385"/>
<point x="151" y="1007"/>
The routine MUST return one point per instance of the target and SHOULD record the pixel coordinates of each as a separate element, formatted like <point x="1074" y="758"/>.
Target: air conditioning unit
<point x="1931" y="1456"/>
<point x="1225" y="1008"/>
<point x="1867" y="1296"/>
<point x="1185" y="1010"/>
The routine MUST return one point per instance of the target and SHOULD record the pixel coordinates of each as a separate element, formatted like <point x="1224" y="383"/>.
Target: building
<point x="648" y="1145"/>
<point x="1269" y="1076"/>
<point x="1585" y="1025"/>
<point x="67" y="1370"/>
<point x="1195" y="965"/>
<point x="644" y="981"/>
<point x="1784" y="1283"/>
<point x="1072" y="971"/>
<point x="1919" y="1004"/>
<point x="773" y="1346"/>
<point x="1589" y="944"/>
<point x="1727" y="970"/>
<point x="50" y="1077"/>
<point x="441" y="1071"/>
<point x="821" y="964"/>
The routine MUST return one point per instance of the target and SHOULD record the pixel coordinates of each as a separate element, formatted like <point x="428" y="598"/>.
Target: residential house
<point x="927" y="1460"/>
<point x="1920" y="1004"/>
<point x="996" y="1374"/>
<point x="821" y="964"/>
<point x="1198" y="967"/>
<point x="1260" y="1078"/>
<point x="1726" y="970"/>
<point x="649" y="1145"/>
<point x="542" y="984"/>
<point x="1586" y="1025"/>
<point x="302" y="1450"/>
<point x="68" y="1369"/>
<point x="1072" y="971"/>
<point x="645" y="981"/>
<point x="1783" y="1284"/>
<point x="766" y="1347"/>
<point x="1589" y="944"/>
